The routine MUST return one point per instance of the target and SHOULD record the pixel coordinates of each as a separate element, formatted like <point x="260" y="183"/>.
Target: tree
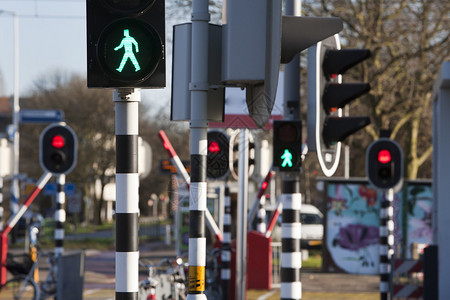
<point x="409" y="41"/>
<point x="90" y="112"/>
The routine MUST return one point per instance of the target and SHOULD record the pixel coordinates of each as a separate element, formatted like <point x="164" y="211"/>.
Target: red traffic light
<point x="384" y="156"/>
<point x="213" y="147"/>
<point x="58" y="141"/>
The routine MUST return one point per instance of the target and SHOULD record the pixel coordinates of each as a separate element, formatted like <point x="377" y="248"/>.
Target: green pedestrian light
<point x="129" y="50"/>
<point x="125" y="43"/>
<point x="287" y="159"/>
<point x="287" y="145"/>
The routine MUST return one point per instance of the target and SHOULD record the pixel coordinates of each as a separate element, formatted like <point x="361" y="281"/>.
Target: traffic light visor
<point x="58" y="141"/>
<point x="384" y="156"/>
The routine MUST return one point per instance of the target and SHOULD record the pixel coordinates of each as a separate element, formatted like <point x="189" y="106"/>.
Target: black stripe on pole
<point x="59" y="243"/>
<point x="126" y="232"/>
<point x="291" y="187"/>
<point x="198" y="168"/>
<point x="126" y="154"/>
<point x="291" y="216"/>
<point x="289" y="245"/>
<point x="289" y="274"/>
<point x="196" y="224"/>
<point x="126" y="296"/>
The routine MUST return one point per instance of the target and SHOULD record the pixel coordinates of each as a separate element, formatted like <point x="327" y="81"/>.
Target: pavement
<point x="99" y="279"/>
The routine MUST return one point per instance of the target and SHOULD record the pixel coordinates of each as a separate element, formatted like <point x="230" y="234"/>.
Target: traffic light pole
<point x="199" y="149"/>
<point x="127" y="193"/>
<point x="241" y="232"/>
<point x="386" y="243"/>
<point x="60" y="215"/>
<point x="291" y="261"/>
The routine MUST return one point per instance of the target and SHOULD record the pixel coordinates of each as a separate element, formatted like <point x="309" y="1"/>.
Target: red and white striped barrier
<point x="176" y="161"/>
<point x="408" y="266"/>
<point x="408" y="291"/>
<point x="412" y="269"/>
<point x="13" y="221"/>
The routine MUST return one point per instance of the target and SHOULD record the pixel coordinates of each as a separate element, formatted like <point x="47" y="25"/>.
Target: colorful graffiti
<point x="352" y="237"/>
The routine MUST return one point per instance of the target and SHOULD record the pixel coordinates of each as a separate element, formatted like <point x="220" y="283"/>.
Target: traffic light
<point x="287" y="145"/>
<point x="58" y="149"/>
<point x="384" y="164"/>
<point x="125" y="43"/>
<point x="218" y="155"/>
<point x="234" y="155"/>
<point x="327" y="95"/>
<point x="256" y="39"/>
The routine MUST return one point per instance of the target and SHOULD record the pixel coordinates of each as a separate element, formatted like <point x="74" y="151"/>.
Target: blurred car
<point x="312" y="227"/>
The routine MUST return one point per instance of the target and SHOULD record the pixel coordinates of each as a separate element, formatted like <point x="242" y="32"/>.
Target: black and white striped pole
<point x="199" y="149"/>
<point x="226" y="246"/>
<point x="386" y="242"/>
<point x="288" y="160"/>
<point x="291" y="228"/>
<point x="127" y="193"/>
<point x="384" y="168"/>
<point x="60" y="215"/>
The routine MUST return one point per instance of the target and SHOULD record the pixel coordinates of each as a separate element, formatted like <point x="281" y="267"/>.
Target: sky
<point x="52" y="37"/>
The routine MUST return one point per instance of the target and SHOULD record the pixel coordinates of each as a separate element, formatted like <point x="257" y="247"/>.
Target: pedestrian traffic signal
<point x="125" y="43"/>
<point x="327" y="95"/>
<point x="287" y="145"/>
<point x="384" y="164"/>
<point x="218" y="155"/>
<point x="58" y="149"/>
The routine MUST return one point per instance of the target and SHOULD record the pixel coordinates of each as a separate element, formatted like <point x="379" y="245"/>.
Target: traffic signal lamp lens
<point x="213" y="147"/>
<point x="58" y="142"/>
<point x="287" y="133"/>
<point x="58" y="157"/>
<point x="385" y="173"/>
<point x="384" y="156"/>
<point x="129" y="50"/>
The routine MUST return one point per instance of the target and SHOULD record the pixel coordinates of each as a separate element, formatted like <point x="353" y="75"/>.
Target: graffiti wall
<point x="352" y="224"/>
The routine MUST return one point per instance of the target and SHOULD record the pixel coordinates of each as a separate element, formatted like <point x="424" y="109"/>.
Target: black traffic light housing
<point x="58" y="149"/>
<point x="384" y="164"/>
<point x="287" y="145"/>
<point x="125" y="43"/>
<point x="218" y="165"/>
<point x="327" y="95"/>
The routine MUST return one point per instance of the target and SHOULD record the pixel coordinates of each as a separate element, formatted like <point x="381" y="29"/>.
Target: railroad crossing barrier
<point x="408" y="279"/>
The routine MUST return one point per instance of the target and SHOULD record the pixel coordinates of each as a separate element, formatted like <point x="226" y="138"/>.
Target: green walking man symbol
<point x="127" y="43"/>
<point x="287" y="159"/>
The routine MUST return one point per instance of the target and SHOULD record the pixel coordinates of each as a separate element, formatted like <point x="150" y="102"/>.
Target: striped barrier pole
<point x="386" y="243"/>
<point x="226" y="246"/>
<point x="127" y="193"/>
<point x="261" y="216"/>
<point x="60" y="215"/>
<point x="291" y="228"/>
<point x="409" y="289"/>
<point x="13" y="221"/>
<point x="257" y="203"/>
<point x="176" y="161"/>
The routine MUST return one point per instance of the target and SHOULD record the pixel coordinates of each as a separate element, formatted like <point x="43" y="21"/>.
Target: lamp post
<point x="15" y="115"/>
